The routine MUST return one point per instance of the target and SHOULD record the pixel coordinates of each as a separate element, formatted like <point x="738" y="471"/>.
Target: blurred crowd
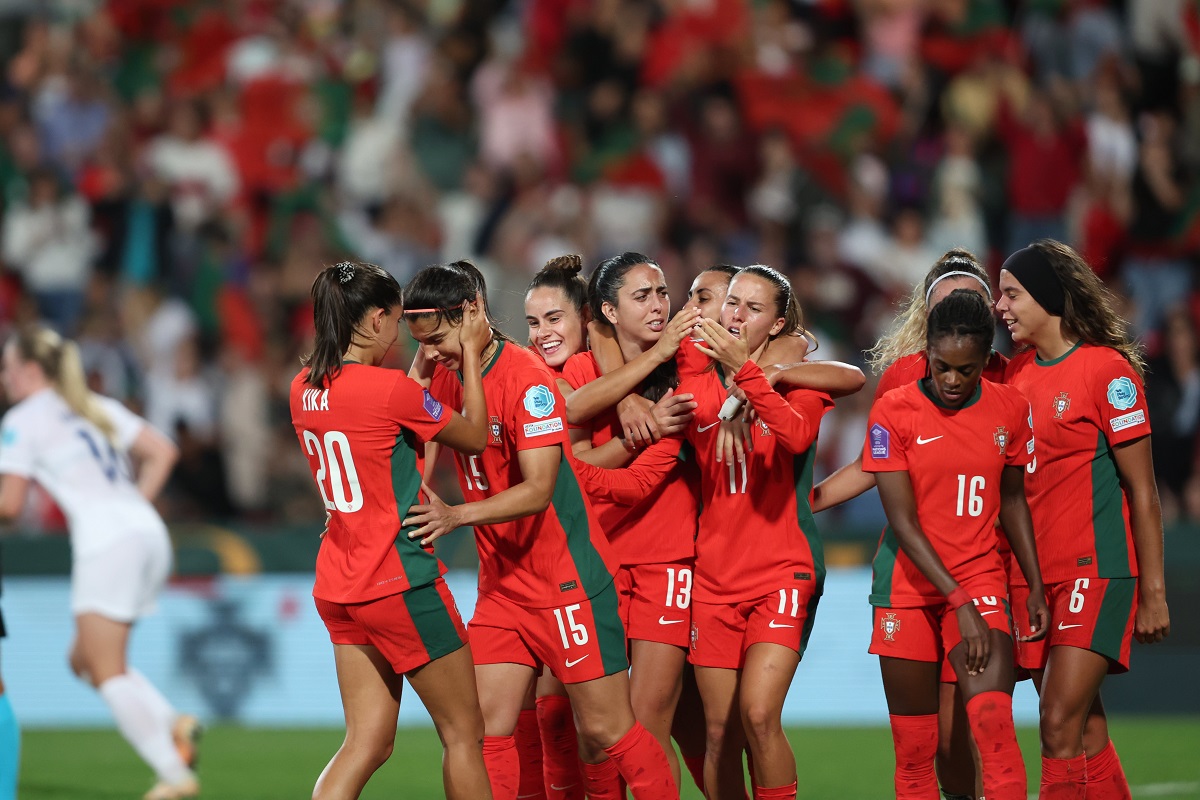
<point x="175" y="172"/>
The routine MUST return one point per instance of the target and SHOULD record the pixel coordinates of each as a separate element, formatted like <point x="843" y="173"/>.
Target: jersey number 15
<point x="335" y="462"/>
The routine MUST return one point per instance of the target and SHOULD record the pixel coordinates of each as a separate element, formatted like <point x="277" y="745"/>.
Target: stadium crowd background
<point x="174" y="173"/>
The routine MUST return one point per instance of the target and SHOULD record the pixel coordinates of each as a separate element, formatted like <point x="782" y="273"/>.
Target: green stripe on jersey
<point x="420" y="566"/>
<point x="883" y="566"/>
<point x="802" y="474"/>
<point x="1108" y="521"/>
<point x="568" y="504"/>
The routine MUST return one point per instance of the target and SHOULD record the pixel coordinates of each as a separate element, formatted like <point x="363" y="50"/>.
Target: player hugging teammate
<point x="641" y="499"/>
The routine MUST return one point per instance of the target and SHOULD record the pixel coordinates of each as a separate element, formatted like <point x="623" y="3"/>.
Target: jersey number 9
<point x="337" y="464"/>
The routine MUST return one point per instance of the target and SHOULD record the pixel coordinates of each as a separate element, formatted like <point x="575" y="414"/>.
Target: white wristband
<point x="730" y="408"/>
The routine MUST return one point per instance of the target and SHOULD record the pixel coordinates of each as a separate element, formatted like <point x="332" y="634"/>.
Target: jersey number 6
<point x="343" y="478"/>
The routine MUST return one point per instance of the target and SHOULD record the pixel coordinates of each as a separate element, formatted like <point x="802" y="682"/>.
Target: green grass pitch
<point x="1160" y="758"/>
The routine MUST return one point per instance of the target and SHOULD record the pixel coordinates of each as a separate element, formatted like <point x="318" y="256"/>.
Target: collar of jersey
<point x="933" y="398"/>
<point x="1058" y="360"/>
<point x="491" y="362"/>
<point x="346" y="361"/>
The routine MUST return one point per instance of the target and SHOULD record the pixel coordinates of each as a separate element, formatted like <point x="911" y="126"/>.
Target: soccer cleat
<point x="187" y="788"/>
<point x="186" y="733"/>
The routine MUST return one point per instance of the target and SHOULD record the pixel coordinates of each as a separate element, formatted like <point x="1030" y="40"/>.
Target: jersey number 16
<point x="969" y="497"/>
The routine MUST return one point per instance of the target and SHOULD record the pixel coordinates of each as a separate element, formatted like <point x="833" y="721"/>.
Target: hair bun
<point x="570" y="264"/>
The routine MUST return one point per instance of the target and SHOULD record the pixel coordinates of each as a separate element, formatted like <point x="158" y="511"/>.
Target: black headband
<point x="1033" y="271"/>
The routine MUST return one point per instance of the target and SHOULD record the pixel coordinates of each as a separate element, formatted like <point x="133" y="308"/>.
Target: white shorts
<point x="122" y="581"/>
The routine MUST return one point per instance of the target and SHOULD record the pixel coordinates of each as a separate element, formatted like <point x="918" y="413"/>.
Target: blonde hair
<point x="909" y="333"/>
<point x="60" y="361"/>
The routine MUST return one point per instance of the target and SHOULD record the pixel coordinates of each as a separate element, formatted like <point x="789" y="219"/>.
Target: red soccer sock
<point x="503" y="766"/>
<point x="695" y="766"/>
<point x="1064" y="778"/>
<point x="990" y="715"/>
<point x="915" y="740"/>
<point x="560" y="748"/>
<point x="778" y="793"/>
<point x="1105" y="777"/>
<point x="529" y="756"/>
<point x="603" y="781"/>
<point x="643" y="764"/>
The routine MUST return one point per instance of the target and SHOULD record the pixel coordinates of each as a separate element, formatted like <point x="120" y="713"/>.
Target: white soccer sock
<point x="140" y="721"/>
<point x="162" y="707"/>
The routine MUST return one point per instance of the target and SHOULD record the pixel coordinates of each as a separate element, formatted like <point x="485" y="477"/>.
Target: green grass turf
<point x="255" y="764"/>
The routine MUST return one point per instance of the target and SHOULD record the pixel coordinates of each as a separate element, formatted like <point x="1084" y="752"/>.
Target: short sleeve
<point x="18" y="447"/>
<point x="416" y="409"/>
<point x="578" y="371"/>
<point x="126" y="424"/>
<point x="883" y="450"/>
<point x="1120" y="398"/>
<point x="1019" y="451"/>
<point x="540" y="413"/>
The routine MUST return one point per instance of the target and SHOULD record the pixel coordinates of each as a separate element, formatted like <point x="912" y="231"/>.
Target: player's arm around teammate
<point x="546" y="593"/>
<point x="949" y="452"/>
<point x="387" y="608"/>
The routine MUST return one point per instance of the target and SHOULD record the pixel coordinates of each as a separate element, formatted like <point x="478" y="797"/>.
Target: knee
<point x="79" y="665"/>
<point x="468" y="730"/>
<point x="714" y="736"/>
<point x="372" y="749"/>
<point x="1061" y="732"/>
<point x="597" y="732"/>
<point x="761" y="721"/>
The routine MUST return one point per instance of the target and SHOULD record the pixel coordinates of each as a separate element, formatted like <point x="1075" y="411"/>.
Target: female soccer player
<point x="654" y="540"/>
<point x="1094" y="502"/>
<point x="556" y="310"/>
<point x="949" y="455"/>
<point x="754" y="599"/>
<point x="546" y="594"/>
<point x="902" y="358"/>
<point x="389" y="612"/>
<point x="77" y="445"/>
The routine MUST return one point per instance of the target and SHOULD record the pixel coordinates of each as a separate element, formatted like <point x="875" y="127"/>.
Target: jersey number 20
<point x="336" y="464"/>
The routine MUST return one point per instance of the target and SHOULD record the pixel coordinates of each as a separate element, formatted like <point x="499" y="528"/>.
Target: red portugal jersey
<point x="915" y="366"/>
<point x="362" y="438"/>
<point x="954" y="458"/>
<point x="554" y="558"/>
<point x="1084" y="404"/>
<point x="660" y="528"/>
<point x="757" y="533"/>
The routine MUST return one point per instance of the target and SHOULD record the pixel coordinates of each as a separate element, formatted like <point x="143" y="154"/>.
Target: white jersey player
<point x="78" y="446"/>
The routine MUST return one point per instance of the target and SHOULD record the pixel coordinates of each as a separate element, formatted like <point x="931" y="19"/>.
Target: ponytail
<point x="342" y="295"/>
<point x="61" y="363"/>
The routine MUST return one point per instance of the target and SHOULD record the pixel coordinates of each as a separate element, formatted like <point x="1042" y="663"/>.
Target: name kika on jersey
<point x="315" y="400"/>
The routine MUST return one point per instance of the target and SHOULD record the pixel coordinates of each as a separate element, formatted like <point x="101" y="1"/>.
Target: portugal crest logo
<point x="494" y="428"/>
<point x="1061" y="404"/>
<point x="1001" y="438"/>
<point x="890" y="625"/>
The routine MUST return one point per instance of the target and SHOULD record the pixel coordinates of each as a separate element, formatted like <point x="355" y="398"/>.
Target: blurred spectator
<point x="214" y="156"/>
<point x="1173" y="394"/>
<point x="48" y="241"/>
<point x="1156" y="272"/>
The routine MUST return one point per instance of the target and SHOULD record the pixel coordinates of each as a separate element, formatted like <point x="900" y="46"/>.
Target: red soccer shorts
<point x="929" y="633"/>
<point x="656" y="601"/>
<point x="1094" y="614"/>
<point x="723" y="632"/>
<point x="410" y="629"/>
<point x="578" y="642"/>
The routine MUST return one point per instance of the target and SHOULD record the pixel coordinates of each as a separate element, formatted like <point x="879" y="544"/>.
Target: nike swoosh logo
<point x="985" y="613"/>
<point x="772" y="624"/>
<point x="703" y="428"/>
<point x="576" y="661"/>
<point x="927" y="441"/>
<point x="1062" y="627"/>
<point x="665" y="621"/>
<point x="554" y="788"/>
